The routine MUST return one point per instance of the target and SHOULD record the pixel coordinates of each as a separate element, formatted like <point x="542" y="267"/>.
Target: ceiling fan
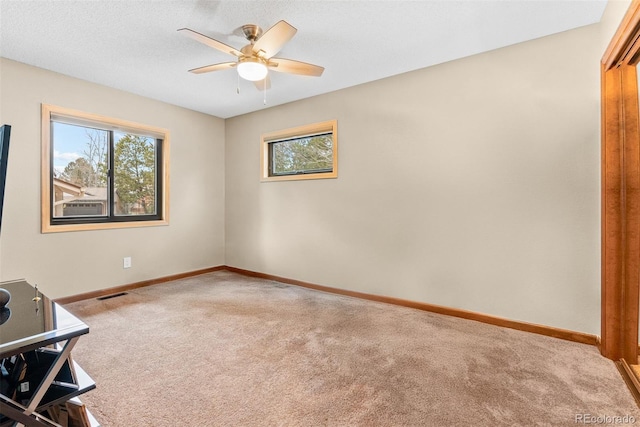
<point x="256" y="59"/>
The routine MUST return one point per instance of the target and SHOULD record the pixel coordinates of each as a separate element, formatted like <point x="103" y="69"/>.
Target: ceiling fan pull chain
<point x="238" y="86"/>
<point x="264" y="100"/>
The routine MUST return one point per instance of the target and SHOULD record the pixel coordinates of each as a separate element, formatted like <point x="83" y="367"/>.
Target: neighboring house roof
<point x="95" y="194"/>
<point x="74" y="193"/>
<point x="67" y="187"/>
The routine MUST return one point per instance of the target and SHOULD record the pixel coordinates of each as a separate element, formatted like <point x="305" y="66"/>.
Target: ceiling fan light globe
<point x="252" y="71"/>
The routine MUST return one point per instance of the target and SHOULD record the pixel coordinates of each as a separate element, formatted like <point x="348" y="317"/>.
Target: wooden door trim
<point x="624" y="46"/>
<point x="620" y="203"/>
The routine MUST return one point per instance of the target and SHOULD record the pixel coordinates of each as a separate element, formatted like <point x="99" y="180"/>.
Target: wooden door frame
<point x="620" y="186"/>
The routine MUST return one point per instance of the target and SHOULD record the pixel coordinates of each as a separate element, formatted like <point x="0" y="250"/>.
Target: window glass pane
<point x="134" y="160"/>
<point x="79" y="159"/>
<point x="312" y="154"/>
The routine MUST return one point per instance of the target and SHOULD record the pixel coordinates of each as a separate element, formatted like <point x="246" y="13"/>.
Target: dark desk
<point x="36" y="339"/>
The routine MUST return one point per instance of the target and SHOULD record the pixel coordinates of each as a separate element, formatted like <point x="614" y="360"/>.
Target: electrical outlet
<point x="126" y="262"/>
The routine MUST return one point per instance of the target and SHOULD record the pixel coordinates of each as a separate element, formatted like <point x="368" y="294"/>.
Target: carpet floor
<point x="222" y="349"/>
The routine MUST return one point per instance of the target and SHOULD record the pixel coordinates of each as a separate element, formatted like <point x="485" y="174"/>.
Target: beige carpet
<point x="223" y="349"/>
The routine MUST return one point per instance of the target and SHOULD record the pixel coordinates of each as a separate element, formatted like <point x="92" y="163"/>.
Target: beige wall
<point x="473" y="184"/>
<point x="70" y="263"/>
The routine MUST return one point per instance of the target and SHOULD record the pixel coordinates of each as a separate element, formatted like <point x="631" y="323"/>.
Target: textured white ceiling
<point x="134" y="46"/>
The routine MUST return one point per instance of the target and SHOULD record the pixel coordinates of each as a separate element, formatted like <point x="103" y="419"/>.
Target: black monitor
<point x="5" y="133"/>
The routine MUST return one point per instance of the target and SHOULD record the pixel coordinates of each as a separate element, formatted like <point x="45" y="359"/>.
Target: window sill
<point x="302" y="176"/>
<point x="63" y="228"/>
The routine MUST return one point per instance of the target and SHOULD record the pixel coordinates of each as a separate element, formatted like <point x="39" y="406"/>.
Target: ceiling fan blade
<point x="295" y="67"/>
<point x="260" y="84"/>
<point x="273" y="39"/>
<point x="213" y="67"/>
<point x="210" y="42"/>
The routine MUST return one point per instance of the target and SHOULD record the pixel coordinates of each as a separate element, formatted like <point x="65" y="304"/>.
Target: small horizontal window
<point x="306" y="152"/>
<point x="101" y="173"/>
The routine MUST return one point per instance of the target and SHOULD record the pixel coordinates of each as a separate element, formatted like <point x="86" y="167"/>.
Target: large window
<point x="100" y="172"/>
<point x="306" y="152"/>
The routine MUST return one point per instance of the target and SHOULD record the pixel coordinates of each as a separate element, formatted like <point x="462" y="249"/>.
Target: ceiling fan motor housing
<point x="252" y="32"/>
